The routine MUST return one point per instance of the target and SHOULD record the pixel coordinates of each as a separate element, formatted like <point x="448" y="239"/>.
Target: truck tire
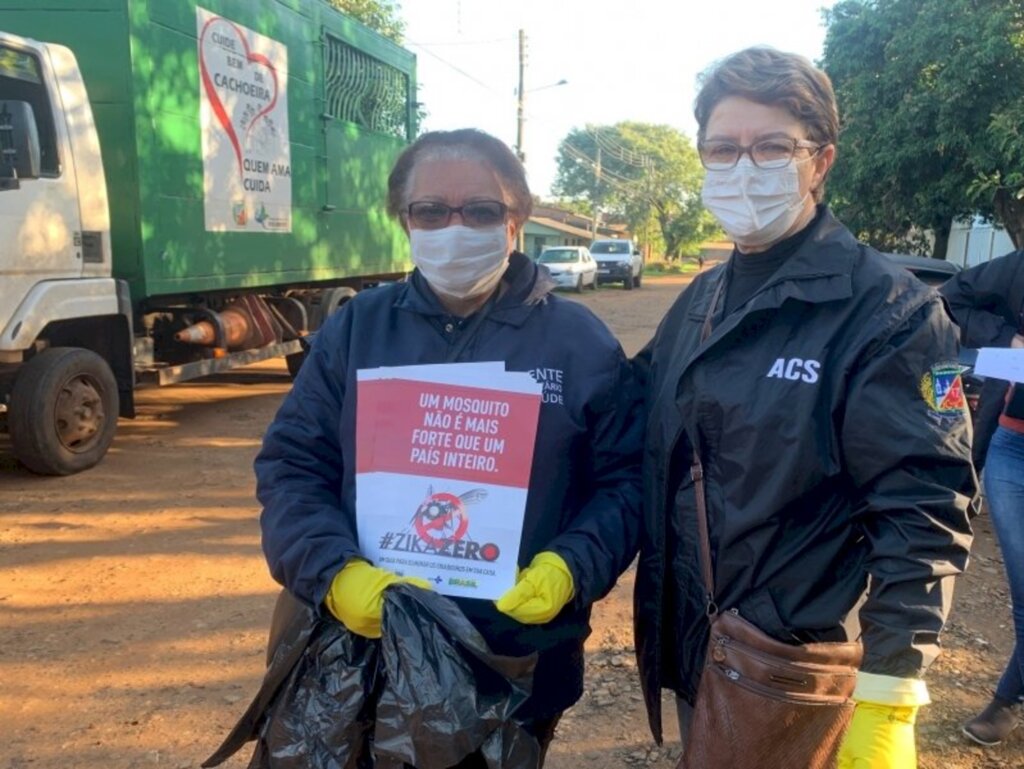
<point x="334" y="298"/>
<point x="330" y="301"/>
<point x="628" y="282"/>
<point x="63" y="411"/>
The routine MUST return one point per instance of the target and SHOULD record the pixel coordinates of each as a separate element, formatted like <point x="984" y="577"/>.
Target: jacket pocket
<point x="760" y="609"/>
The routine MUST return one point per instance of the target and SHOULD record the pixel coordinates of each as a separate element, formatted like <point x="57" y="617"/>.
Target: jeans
<point x="1004" y="488"/>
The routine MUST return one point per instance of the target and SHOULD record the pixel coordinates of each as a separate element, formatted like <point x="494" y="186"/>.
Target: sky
<point x="629" y="60"/>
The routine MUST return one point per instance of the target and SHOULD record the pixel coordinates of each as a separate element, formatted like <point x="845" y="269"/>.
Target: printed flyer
<point x="443" y="458"/>
<point x="243" y="97"/>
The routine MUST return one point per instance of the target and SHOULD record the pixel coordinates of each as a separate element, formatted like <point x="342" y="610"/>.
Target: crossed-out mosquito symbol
<point x="441" y="517"/>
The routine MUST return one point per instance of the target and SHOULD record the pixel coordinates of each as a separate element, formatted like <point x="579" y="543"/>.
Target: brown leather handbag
<point x="761" y="703"/>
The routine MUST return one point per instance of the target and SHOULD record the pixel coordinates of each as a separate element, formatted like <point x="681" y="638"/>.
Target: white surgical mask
<point x="460" y="261"/>
<point x="755" y="206"/>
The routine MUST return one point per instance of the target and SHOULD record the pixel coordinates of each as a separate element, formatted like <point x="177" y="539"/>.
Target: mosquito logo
<point x="440" y="526"/>
<point x="441" y="518"/>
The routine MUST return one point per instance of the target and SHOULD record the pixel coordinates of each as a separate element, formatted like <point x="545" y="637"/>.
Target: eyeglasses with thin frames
<point x="767" y="153"/>
<point x="432" y="215"/>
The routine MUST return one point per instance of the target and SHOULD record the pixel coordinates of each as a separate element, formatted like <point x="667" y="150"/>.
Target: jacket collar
<point x="821" y="270"/>
<point x="522" y="287"/>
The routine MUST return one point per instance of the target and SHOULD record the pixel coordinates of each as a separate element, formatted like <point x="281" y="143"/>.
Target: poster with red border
<point x="443" y="459"/>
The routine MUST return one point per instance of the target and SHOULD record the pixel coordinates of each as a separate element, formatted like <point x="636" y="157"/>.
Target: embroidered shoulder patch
<point x="943" y="391"/>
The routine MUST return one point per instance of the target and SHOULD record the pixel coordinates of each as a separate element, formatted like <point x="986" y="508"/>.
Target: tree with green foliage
<point x="930" y="101"/>
<point x="379" y="15"/>
<point x="648" y="174"/>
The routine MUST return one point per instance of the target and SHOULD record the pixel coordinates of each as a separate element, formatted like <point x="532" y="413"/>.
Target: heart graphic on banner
<point x="247" y="64"/>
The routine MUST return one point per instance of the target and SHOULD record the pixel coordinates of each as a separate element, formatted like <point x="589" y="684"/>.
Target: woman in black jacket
<point x="988" y="302"/>
<point x="827" y="409"/>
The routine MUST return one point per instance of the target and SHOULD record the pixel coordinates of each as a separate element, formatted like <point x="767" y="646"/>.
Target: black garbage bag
<point x="315" y="705"/>
<point x="511" y="747"/>
<point x="429" y="693"/>
<point x="445" y="692"/>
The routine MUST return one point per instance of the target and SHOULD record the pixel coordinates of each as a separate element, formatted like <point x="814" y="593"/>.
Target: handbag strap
<point x="697" y="474"/>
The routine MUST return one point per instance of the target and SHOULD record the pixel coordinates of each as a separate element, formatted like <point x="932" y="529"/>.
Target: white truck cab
<point x="55" y="266"/>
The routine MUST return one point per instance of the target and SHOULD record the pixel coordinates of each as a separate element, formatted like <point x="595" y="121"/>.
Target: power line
<point x="624" y="181"/>
<point x="613" y="180"/>
<point x="621" y="152"/>
<point x="461" y="71"/>
<point x="442" y="43"/>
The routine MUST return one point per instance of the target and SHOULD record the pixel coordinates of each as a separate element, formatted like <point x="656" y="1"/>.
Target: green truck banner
<point x="243" y="93"/>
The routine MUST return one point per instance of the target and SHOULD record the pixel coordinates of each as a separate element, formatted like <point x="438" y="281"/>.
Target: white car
<point x="618" y="261"/>
<point x="571" y="266"/>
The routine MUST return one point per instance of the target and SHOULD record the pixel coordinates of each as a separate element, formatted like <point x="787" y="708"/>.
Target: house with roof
<point x="553" y="226"/>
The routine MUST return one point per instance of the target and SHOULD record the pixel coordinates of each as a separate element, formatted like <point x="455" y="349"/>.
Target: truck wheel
<point x="638" y="280"/>
<point x="63" y="411"/>
<point x="628" y="283"/>
<point x="334" y="298"/>
<point x="329" y="302"/>
<point x="578" y="288"/>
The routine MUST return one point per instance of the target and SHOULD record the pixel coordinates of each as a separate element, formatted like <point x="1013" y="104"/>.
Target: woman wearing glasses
<point x="817" y="383"/>
<point x="462" y="198"/>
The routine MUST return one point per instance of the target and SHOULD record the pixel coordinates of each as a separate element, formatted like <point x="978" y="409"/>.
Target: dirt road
<point x="134" y="598"/>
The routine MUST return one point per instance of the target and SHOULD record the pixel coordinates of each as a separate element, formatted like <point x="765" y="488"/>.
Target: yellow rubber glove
<point x="881" y="732"/>
<point x="540" y="592"/>
<point x="356" y="596"/>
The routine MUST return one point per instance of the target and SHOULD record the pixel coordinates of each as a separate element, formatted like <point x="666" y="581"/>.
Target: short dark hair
<point x="776" y="78"/>
<point x="463" y="142"/>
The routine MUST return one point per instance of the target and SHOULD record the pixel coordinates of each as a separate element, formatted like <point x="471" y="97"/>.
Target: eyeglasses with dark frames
<point x="767" y="153"/>
<point x="431" y="215"/>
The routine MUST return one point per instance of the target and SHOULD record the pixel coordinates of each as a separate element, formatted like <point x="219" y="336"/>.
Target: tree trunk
<point x="941" y="244"/>
<point x="1010" y="214"/>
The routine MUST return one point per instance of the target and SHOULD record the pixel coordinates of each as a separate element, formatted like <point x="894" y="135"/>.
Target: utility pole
<point x="520" y="118"/>
<point x="521" y="97"/>
<point x="597" y="194"/>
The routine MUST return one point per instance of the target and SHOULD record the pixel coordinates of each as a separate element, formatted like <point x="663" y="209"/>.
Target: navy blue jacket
<point x="585" y="483"/>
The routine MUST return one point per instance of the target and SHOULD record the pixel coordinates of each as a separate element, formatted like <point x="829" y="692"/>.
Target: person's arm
<point x="987" y="300"/>
<point x="906" y="445"/>
<point x="909" y="457"/>
<point x="602" y="540"/>
<point x="307" y="536"/>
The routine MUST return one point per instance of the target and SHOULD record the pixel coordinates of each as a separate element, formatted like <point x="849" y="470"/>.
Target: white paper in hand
<point x="1000" y="363"/>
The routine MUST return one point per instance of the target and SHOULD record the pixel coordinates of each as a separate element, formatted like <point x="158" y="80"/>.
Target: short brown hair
<point x="768" y="76"/>
<point x="463" y="142"/>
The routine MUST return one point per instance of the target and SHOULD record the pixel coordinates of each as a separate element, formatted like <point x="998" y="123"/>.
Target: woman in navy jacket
<point x="462" y="197"/>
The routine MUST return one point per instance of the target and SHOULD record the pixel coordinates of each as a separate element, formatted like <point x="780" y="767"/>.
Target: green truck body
<point x="140" y="63"/>
<point x="184" y="189"/>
